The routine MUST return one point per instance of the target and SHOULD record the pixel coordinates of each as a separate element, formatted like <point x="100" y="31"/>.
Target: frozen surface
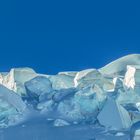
<point x="114" y="116"/>
<point x="42" y="129"/>
<point x="92" y="104"/>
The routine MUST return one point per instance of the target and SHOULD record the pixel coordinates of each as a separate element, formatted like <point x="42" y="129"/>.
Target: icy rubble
<point x="15" y="79"/>
<point x="12" y="108"/>
<point x="108" y="96"/>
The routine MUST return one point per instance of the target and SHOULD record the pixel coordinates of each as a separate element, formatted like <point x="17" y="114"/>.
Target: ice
<point x="129" y="80"/>
<point x="47" y="108"/>
<point x="100" y="94"/>
<point x="128" y="96"/>
<point x="83" y="106"/>
<point x="69" y="110"/>
<point x="89" y="102"/>
<point x="61" y="82"/>
<point x="39" y="87"/>
<point x="60" y="123"/>
<point x="119" y="66"/>
<point x="11" y="105"/>
<point x="108" y="97"/>
<point x="119" y="134"/>
<point x="128" y="88"/>
<point x="86" y="77"/>
<point x="16" y="78"/>
<point x="132" y="78"/>
<point x="114" y="116"/>
<point x="118" y="83"/>
<point x="10" y="97"/>
<point x="63" y="93"/>
<point x="108" y="86"/>
<point x="68" y="73"/>
<point x="138" y="105"/>
<point x="135" y="131"/>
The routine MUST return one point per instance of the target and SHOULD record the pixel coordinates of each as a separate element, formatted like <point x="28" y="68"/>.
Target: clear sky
<point x="52" y="36"/>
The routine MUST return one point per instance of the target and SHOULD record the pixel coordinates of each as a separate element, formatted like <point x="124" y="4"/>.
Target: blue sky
<point x="67" y="35"/>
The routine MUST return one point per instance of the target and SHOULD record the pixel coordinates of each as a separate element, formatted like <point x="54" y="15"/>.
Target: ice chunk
<point x="128" y="96"/>
<point x="63" y="93"/>
<point x="138" y="105"/>
<point x="118" y="66"/>
<point x="82" y="74"/>
<point x="108" y="86"/>
<point x="11" y="97"/>
<point x="132" y="78"/>
<point x="86" y="77"/>
<point x="68" y="73"/>
<point x="16" y="78"/>
<point x="69" y="110"/>
<point x="137" y="135"/>
<point x="89" y="103"/>
<point x="129" y="80"/>
<point x="118" y="83"/>
<point x="39" y="86"/>
<point x="47" y="108"/>
<point x="118" y="88"/>
<point x="83" y="106"/>
<point x="119" y="134"/>
<point x="60" y="122"/>
<point x="8" y="80"/>
<point x="61" y="82"/>
<point x="135" y="131"/>
<point x="11" y="106"/>
<point x="131" y="107"/>
<point x="100" y="94"/>
<point x="123" y="94"/>
<point x="114" y="116"/>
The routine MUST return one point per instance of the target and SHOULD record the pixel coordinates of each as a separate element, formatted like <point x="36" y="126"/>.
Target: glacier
<point x="104" y="100"/>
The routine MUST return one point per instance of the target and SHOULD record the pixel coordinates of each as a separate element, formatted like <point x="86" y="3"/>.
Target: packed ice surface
<point x="118" y="118"/>
<point x="106" y="99"/>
